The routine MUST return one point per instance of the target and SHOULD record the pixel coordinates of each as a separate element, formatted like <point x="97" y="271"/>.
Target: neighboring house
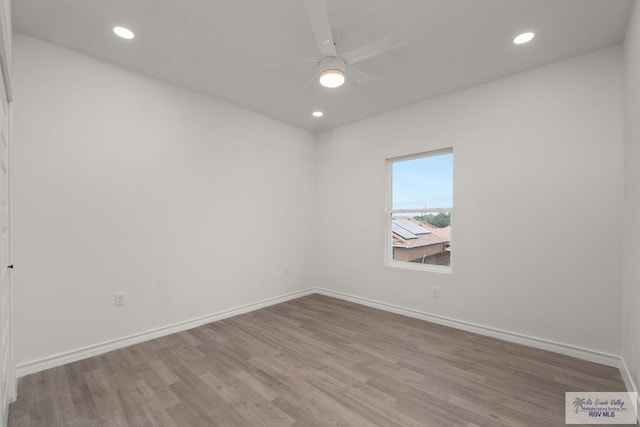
<point x="416" y="241"/>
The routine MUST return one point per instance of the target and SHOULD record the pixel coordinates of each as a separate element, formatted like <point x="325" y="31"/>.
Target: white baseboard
<point x="630" y="383"/>
<point x="107" y="346"/>
<point x="569" y="350"/>
<point x="104" y="347"/>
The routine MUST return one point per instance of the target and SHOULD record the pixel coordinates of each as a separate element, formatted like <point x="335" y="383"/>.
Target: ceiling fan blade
<point x="275" y="58"/>
<point x="375" y="48"/>
<point x="319" y="19"/>
<point x="353" y="74"/>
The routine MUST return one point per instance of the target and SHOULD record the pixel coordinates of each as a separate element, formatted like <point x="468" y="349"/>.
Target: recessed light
<point x="123" y="32"/>
<point x="317" y="114"/>
<point x="524" y="38"/>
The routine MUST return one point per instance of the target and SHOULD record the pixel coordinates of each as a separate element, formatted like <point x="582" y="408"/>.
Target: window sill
<point x="419" y="267"/>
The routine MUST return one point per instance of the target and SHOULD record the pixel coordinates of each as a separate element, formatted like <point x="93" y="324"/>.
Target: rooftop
<point x="408" y="233"/>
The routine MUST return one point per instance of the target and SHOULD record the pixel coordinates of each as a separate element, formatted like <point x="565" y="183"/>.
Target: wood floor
<point x="313" y="361"/>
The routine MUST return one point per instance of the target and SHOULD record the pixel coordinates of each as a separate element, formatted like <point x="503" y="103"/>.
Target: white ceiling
<point x="239" y="50"/>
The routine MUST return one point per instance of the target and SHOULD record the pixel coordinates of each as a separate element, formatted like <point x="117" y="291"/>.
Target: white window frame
<point x="389" y="212"/>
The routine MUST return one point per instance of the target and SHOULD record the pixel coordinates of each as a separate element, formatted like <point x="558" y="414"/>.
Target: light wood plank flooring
<point x="313" y="361"/>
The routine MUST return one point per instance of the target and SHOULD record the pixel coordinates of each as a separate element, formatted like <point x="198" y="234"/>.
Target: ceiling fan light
<point x="332" y="78"/>
<point x="332" y="71"/>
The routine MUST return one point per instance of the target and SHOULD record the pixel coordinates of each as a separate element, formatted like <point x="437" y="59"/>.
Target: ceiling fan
<point x="333" y="67"/>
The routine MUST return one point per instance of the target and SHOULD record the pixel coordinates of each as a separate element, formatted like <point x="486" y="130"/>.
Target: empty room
<point x="319" y="213"/>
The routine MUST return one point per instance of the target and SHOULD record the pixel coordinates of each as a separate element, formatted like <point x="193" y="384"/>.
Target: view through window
<point x="421" y="209"/>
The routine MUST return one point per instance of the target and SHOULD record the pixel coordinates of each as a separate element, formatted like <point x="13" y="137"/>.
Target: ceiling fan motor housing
<point x="331" y="63"/>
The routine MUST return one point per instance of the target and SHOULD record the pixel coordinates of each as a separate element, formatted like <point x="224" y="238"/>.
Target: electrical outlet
<point x="436" y="292"/>
<point x="118" y="299"/>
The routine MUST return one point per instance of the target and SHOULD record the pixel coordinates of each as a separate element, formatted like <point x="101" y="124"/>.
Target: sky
<point x="423" y="181"/>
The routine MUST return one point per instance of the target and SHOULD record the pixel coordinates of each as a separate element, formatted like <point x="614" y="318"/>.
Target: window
<point x="419" y="212"/>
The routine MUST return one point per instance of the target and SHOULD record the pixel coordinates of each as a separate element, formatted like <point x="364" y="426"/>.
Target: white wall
<point x="631" y="270"/>
<point x="538" y="197"/>
<point x="123" y="183"/>
<point x="192" y="206"/>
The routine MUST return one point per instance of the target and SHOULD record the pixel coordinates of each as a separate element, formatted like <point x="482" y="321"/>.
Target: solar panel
<point x="411" y="227"/>
<point x="401" y="231"/>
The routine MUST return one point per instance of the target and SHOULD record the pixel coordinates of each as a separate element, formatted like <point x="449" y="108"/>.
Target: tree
<point x="440" y="220"/>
